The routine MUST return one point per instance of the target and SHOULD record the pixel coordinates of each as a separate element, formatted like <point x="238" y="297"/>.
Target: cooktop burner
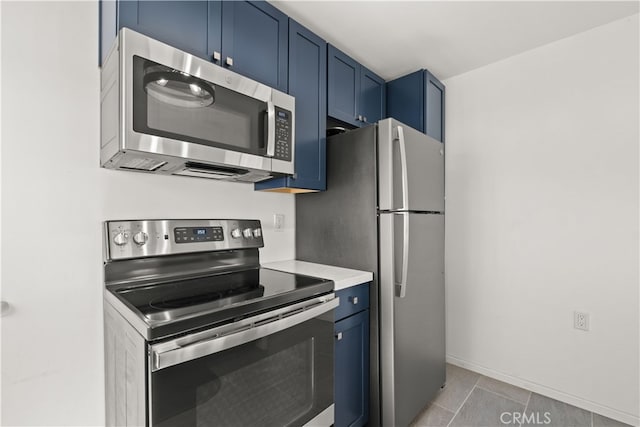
<point x="217" y="298"/>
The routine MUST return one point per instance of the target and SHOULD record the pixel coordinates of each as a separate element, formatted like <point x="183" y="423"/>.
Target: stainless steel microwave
<point x="165" y="111"/>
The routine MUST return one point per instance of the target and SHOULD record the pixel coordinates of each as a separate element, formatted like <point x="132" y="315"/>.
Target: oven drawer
<point x="352" y="301"/>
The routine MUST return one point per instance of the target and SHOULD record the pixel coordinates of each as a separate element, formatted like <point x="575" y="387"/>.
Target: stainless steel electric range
<point x="197" y="334"/>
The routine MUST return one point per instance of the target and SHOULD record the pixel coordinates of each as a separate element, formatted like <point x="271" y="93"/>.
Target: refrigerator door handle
<point x="403" y="164"/>
<point x="401" y="287"/>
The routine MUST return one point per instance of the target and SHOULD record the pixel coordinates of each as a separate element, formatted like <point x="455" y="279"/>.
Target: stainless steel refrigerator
<point x="383" y="211"/>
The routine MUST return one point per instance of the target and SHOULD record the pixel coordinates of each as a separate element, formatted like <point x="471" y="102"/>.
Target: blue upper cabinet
<point x="183" y="24"/>
<point x="343" y="87"/>
<point x="308" y="84"/>
<point x="254" y="41"/>
<point x="355" y="95"/>
<point x="417" y="99"/>
<point x="247" y="37"/>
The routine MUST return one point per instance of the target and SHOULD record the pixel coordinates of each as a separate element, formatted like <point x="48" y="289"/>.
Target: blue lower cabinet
<point x="417" y="100"/>
<point x="352" y="300"/>
<point x="351" y="381"/>
<point x="308" y="84"/>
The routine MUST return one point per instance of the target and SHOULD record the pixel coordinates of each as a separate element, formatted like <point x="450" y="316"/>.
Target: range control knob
<point x="140" y="238"/>
<point x="121" y="238"/>
<point x="247" y="233"/>
<point x="257" y="233"/>
<point x="236" y="233"/>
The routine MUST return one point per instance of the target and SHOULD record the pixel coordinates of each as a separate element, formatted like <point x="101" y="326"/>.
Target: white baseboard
<point x="588" y="405"/>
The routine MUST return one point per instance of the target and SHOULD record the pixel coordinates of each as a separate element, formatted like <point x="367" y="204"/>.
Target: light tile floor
<point x="473" y="400"/>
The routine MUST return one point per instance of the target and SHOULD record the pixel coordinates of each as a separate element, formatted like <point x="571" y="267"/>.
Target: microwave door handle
<point x="271" y="129"/>
<point x="161" y="359"/>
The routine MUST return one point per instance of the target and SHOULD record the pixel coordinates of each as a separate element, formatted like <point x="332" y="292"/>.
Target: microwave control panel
<point x="283" y="134"/>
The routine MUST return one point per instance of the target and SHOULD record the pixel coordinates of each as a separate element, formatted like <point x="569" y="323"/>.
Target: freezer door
<point x="412" y="323"/>
<point x="411" y="169"/>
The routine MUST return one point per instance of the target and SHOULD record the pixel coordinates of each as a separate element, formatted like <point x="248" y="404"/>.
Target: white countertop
<point x="342" y="277"/>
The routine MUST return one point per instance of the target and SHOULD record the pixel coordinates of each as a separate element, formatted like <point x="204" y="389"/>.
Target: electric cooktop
<point x="187" y="304"/>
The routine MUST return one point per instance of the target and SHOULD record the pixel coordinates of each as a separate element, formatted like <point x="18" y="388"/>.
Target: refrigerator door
<point x="411" y="169"/>
<point x="412" y="330"/>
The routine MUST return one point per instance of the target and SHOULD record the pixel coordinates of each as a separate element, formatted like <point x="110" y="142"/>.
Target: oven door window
<point x="283" y="379"/>
<point x="171" y="104"/>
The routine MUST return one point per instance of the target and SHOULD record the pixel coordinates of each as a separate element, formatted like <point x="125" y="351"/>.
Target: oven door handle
<point x="163" y="357"/>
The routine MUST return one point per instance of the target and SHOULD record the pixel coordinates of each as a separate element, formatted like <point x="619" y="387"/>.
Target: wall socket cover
<point x="278" y="222"/>
<point x="581" y="320"/>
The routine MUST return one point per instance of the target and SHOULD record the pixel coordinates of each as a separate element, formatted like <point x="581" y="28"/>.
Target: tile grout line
<point x="502" y="396"/>
<point x="526" y="406"/>
<point x="439" y="406"/>
<point x="464" y="401"/>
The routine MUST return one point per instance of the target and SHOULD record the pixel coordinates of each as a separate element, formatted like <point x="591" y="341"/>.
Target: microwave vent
<point x="211" y="171"/>
<point x="142" y="164"/>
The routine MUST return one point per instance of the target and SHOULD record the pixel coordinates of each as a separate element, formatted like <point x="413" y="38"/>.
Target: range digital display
<point x="198" y="234"/>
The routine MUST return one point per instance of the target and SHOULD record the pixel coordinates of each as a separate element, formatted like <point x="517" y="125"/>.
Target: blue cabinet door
<point x="254" y="38"/>
<point x="351" y="384"/>
<point x="372" y="96"/>
<point x="308" y="84"/>
<point x="343" y="87"/>
<point x="214" y="32"/>
<point x="434" y="107"/>
<point x="182" y="24"/>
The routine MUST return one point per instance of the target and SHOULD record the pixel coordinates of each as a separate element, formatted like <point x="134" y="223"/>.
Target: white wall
<point x="54" y="198"/>
<point x="542" y="219"/>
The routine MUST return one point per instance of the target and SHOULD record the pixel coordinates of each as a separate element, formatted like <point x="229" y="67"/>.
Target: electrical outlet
<point x="278" y="222"/>
<point x="581" y="320"/>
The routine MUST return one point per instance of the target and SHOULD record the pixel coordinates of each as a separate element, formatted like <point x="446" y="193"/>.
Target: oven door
<point x="275" y="369"/>
<point x="171" y="104"/>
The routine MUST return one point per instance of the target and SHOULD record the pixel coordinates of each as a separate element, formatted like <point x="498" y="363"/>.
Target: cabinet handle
<point x="216" y="56"/>
<point x="354" y="300"/>
<point x="339" y="336"/>
<point x="229" y="61"/>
